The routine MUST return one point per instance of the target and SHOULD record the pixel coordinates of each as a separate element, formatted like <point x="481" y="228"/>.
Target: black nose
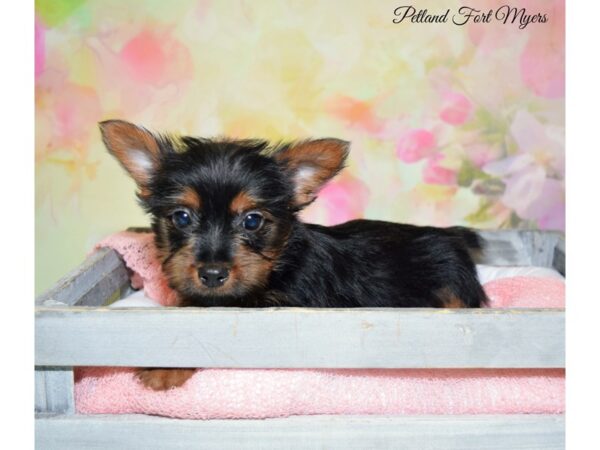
<point x="213" y="275"/>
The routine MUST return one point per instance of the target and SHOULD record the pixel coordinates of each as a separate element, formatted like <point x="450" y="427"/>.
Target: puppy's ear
<point x="136" y="148"/>
<point x="311" y="164"/>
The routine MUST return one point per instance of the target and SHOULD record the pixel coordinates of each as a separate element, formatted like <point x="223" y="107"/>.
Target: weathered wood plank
<point x="54" y="390"/>
<point x="519" y="247"/>
<point x="481" y="432"/>
<point x="300" y="337"/>
<point x="542" y="245"/>
<point x="558" y="262"/>
<point x="100" y="277"/>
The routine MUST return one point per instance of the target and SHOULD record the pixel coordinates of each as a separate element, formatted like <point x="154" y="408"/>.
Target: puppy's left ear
<point x="311" y="164"/>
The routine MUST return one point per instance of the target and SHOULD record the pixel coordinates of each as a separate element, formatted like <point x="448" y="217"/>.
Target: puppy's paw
<point x="163" y="379"/>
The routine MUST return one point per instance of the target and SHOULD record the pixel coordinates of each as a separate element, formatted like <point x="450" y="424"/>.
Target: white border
<point x="17" y="206"/>
<point x="583" y="167"/>
<point x="583" y="178"/>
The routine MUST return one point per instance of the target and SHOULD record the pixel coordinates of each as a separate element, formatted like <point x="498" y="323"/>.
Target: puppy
<point x="225" y="216"/>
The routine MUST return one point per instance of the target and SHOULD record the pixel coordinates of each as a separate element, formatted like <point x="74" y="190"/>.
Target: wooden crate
<point x="75" y="328"/>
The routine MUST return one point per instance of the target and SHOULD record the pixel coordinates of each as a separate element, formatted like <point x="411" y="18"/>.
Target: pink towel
<point x="263" y="393"/>
<point x="526" y="292"/>
<point x="260" y="393"/>
<point x="139" y="253"/>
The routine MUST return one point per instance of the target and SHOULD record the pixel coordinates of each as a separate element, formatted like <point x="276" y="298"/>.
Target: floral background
<point x="449" y="124"/>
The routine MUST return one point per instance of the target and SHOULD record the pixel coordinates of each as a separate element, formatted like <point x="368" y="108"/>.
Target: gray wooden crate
<point x="75" y="328"/>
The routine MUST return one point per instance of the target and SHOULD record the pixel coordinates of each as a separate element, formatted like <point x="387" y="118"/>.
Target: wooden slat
<point x="481" y="432"/>
<point x="300" y="337"/>
<point x="558" y="262"/>
<point x="519" y="247"/>
<point x="540" y="246"/>
<point x="100" y="277"/>
<point x="54" y="390"/>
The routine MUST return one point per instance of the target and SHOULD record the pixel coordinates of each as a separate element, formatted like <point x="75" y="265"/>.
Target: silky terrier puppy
<point x="225" y="218"/>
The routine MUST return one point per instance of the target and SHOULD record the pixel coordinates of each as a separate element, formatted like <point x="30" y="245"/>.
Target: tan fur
<point x="163" y="379"/>
<point x="241" y="203"/>
<point x="249" y="269"/>
<point x="121" y="138"/>
<point x="163" y="230"/>
<point x="449" y="299"/>
<point x="189" y="198"/>
<point x="181" y="269"/>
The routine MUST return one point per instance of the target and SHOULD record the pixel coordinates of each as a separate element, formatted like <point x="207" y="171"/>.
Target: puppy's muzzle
<point x="213" y="275"/>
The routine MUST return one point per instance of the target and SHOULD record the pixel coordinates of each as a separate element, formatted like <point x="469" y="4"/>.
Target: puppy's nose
<point x="213" y="275"/>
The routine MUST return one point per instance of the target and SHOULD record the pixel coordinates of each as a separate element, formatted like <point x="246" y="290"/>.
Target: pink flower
<point x="531" y="191"/>
<point x="456" y="108"/>
<point x="542" y="68"/>
<point x="145" y="58"/>
<point x="415" y="145"/>
<point x="156" y="58"/>
<point x="434" y="173"/>
<point x="339" y="201"/>
<point x="549" y="208"/>
<point x="542" y="63"/>
<point x="68" y="111"/>
<point x="481" y="153"/>
<point x="149" y="75"/>
<point x="40" y="48"/>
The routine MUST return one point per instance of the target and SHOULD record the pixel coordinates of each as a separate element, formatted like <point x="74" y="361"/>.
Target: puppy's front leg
<point x="160" y="379"/>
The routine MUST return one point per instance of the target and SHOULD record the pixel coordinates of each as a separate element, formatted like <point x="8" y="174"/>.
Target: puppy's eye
<point x="181" y="219"/>
<point x="252" y="221"/>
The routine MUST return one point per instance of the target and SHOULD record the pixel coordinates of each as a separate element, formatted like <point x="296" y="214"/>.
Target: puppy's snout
<point x="213" y="275"/>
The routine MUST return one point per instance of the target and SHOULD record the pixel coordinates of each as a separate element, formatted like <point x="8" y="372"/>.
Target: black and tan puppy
<point x="224" y="213"/>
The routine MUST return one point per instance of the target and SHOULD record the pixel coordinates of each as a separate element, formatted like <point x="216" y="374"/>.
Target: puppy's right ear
<point x="311" y="164"/>
<point x="135" y="148"/>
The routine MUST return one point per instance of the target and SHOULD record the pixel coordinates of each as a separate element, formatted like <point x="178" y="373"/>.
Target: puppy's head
<point x="222" y="210"/>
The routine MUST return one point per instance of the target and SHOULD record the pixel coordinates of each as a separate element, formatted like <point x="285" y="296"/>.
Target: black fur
<point x="361" y="263"/>
<point x="377" y="264"/>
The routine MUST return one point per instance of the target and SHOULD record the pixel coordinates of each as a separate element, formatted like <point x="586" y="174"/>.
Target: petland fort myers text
<point x="505" y="14"/>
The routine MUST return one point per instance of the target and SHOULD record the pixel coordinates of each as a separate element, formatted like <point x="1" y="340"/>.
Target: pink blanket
<point x="263" y="393"/>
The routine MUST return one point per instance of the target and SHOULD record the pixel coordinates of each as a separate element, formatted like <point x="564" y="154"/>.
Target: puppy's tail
<point x="475" y="243"/>
<point x="471" y="290"/>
